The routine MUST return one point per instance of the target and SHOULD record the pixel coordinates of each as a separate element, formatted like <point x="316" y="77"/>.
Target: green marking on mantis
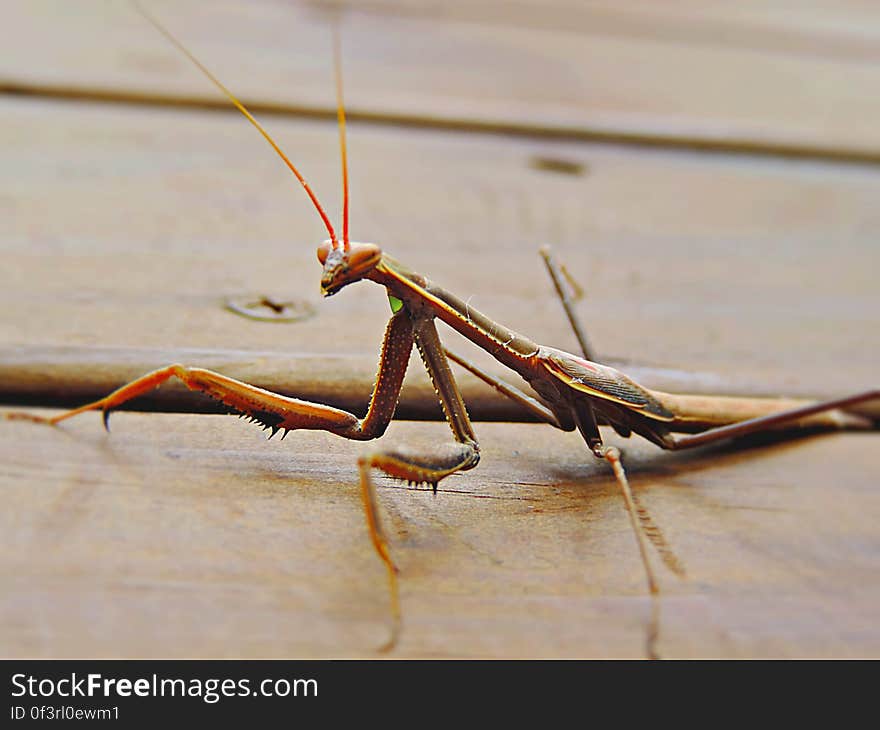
<point x="396" y="304"/>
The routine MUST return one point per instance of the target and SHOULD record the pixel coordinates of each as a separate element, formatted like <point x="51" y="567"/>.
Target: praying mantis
<point x="574" y="392"/>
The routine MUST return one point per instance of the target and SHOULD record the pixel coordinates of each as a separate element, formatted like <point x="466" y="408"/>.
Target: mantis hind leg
<point x="568" y="291"/>
<point x="612" y="455"/>
<point x="643" y="526"/>
<point x="839" y="412"/>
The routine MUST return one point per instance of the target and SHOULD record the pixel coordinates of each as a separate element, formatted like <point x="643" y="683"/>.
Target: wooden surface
<point x="756" y="75"/>
<point x="125" y="227"/>
<point x="192" y="536"/>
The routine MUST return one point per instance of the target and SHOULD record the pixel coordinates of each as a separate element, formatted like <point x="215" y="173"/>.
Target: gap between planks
<point x="581" y="133"/>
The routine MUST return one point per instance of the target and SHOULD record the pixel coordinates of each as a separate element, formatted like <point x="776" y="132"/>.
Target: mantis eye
<point x="324" y="250"/>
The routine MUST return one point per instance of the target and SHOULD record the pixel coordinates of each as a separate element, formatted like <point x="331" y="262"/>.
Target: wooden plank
<point x="124" y="230"/>
<point x="191" y="536"/>
<point x="755" y="76"/>
<point x="182" y="535"/>
<point x="71" y="376"/>
<point x="128" y="228"/>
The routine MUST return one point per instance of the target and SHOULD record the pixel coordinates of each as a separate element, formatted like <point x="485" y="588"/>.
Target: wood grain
<point x="124" y="228"/>
<point x="192" y="536"/>
<point x="71" y="376"/>
<point x="129" y="228"/>
<point x="765" y="76"/>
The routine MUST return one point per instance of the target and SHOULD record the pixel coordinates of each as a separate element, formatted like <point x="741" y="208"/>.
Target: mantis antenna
<point x="340" y="118"/>
<point x="238" y="105"/>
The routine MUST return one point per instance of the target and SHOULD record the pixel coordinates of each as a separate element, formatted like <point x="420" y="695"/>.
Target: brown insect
<point x="573" y="391"/>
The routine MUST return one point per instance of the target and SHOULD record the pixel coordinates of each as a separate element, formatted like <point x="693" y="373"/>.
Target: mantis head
<point x="344" y="262"/>
<point x="343" y="266"/>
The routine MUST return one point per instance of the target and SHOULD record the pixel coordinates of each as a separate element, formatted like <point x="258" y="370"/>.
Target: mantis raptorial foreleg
<point x="275" y="412"/>
<point x="281" y="413"/>
<point x="572" y="391"/>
